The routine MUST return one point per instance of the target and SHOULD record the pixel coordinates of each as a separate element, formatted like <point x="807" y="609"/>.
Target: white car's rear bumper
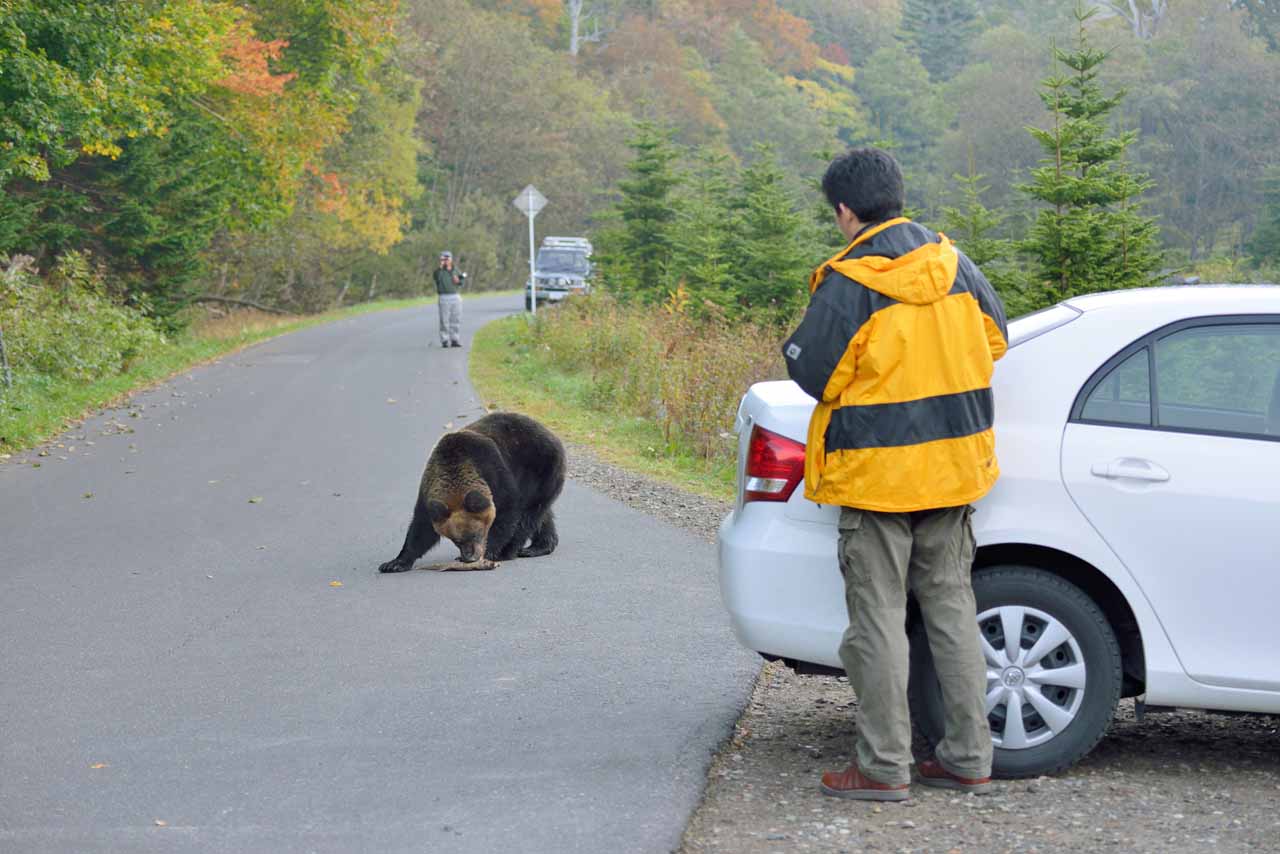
<point x="780" y="581"/>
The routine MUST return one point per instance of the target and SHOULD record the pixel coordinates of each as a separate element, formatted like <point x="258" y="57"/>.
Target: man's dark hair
<point x="868" y="181"/>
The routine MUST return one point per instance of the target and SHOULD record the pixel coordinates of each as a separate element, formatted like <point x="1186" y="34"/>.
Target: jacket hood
<point x="904" y="264"/>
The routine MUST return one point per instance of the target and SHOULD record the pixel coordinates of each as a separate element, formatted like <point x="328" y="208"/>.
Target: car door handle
<point x="1130" y="468"/>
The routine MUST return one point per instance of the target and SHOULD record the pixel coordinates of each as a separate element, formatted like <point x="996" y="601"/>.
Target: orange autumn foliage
<point x="356" y="215"/>
<point x="785" y="38"/>
<point x="249" y="59"/>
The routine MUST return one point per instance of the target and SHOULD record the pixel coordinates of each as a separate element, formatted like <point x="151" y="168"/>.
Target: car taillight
<point x="775" y="466"/>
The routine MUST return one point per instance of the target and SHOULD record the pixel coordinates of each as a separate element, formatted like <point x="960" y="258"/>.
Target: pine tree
<point x="1264" y="246"/>
<point x="636" y="252"/>
<point x="700" y="258"/>
<point x="1092" y="237"/>
<point x="771" y="258"/>
<point x="939" y="33"/>
<point x="972" y="226"/>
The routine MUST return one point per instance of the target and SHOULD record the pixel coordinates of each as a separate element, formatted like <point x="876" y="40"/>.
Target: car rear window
<point x="1023" y="329"/>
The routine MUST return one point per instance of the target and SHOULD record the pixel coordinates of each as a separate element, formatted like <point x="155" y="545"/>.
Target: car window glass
<point x="1124" y="395"/>
<point x="1219" y="379"/>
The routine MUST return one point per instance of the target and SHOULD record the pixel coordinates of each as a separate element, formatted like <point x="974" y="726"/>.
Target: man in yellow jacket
<point x="897" y="346"/>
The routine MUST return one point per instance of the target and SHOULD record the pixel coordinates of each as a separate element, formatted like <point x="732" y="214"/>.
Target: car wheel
<point x="528" y="303"/>
<point x="1053" y="671"/>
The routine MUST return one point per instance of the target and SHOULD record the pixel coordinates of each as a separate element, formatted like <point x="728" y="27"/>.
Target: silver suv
<point x="563" y="267"/>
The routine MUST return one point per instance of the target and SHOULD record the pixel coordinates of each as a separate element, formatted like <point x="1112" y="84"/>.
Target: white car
<point x="1131" y="547"/>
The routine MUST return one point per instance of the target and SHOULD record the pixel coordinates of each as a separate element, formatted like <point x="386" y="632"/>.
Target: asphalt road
<point x="197" y="653"/>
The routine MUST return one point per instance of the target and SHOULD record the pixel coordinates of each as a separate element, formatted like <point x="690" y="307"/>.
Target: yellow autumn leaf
<point x="335" y="583"/>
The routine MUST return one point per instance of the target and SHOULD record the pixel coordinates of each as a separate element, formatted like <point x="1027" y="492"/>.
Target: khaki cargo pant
<point x="930" y="553"/>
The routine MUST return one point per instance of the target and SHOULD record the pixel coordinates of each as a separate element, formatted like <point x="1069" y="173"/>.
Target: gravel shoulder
<point x="1182" y="781"/>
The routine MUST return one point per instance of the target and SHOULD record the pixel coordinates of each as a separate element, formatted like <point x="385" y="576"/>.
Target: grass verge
<point x="509" y="374"/>
<point x="39" y="406"/>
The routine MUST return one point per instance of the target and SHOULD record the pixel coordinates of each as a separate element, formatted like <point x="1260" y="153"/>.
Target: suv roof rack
<point x="568" y="243"/>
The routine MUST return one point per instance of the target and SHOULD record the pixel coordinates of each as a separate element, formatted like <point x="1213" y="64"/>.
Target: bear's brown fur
<point x="489" y="489"/>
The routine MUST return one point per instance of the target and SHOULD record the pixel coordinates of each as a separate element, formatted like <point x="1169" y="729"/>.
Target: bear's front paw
<point x="395" y="565"/>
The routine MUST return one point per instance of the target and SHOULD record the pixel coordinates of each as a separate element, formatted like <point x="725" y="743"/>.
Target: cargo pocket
<point x="968" y="545"/>
<point x="852" y="563"/>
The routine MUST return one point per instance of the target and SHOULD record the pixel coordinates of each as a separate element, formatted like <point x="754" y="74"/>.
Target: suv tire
<point x="1042" y="603"/>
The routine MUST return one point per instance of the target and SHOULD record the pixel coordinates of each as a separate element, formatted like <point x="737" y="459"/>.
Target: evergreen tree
<point x="700" y="258"/>
<point x="972" y="225"/>
<point x="1092" y="237"/>
<point x="1264" y="246"/>
<point x="636" y="252"/>
<point x="772" y="260"/>
<point x="939" y="33"/>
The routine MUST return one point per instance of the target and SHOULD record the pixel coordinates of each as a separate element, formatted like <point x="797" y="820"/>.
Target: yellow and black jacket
<point x="898" y="346"/>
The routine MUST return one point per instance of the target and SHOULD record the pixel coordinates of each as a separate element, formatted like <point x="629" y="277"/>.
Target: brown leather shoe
<point x="850" y="783"/>
<point x="933" y="774"/>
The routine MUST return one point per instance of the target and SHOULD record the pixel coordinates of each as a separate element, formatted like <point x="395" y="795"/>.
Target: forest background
<point x="159" y="155"/>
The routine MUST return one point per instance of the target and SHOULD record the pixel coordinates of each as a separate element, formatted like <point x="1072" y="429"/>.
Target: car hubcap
<point x="1035" y="675"/>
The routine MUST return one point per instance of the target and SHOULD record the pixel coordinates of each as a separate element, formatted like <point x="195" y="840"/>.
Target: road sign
<point x="530" y="201"/>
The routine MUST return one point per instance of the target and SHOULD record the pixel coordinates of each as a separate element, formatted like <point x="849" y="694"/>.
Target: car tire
<point x="528" y="304"/>
<point x="1041" y="603"/>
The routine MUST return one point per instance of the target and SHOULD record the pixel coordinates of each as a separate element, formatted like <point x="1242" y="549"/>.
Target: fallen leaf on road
<point x="391" y="400"/>
<point x="88" y="495"/>
<point x="35" y="465"/>
<point x="161" y="823"/>
<point x="335" y="583"/>
<point x="212" y="482"/>
<point x="95" y="766"/>
<point x="257" y="499"/>
<point x="43" y="454"/>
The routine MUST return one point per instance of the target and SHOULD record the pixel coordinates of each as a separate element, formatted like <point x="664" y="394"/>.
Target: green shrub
<point x="66" y="324"/>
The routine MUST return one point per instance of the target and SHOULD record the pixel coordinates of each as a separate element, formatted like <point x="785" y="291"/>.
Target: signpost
<point x="530" y="201"/>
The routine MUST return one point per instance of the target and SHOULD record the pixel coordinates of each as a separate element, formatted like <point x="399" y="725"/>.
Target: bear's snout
<point x="470" y="550"/>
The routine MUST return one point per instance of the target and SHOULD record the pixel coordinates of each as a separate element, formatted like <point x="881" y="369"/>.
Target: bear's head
<point x="465" y="519"/>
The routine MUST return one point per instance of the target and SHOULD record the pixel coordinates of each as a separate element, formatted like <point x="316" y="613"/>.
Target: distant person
<point x="898" y="346"/>
<point x="449" y="300"/>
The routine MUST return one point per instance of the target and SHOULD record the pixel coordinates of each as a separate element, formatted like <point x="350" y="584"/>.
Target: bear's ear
<point x="437" y="510"/>
<point x="475" y="502"/>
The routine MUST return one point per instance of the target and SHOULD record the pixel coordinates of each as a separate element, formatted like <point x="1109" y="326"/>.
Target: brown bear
<point x="488" y="488"/>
